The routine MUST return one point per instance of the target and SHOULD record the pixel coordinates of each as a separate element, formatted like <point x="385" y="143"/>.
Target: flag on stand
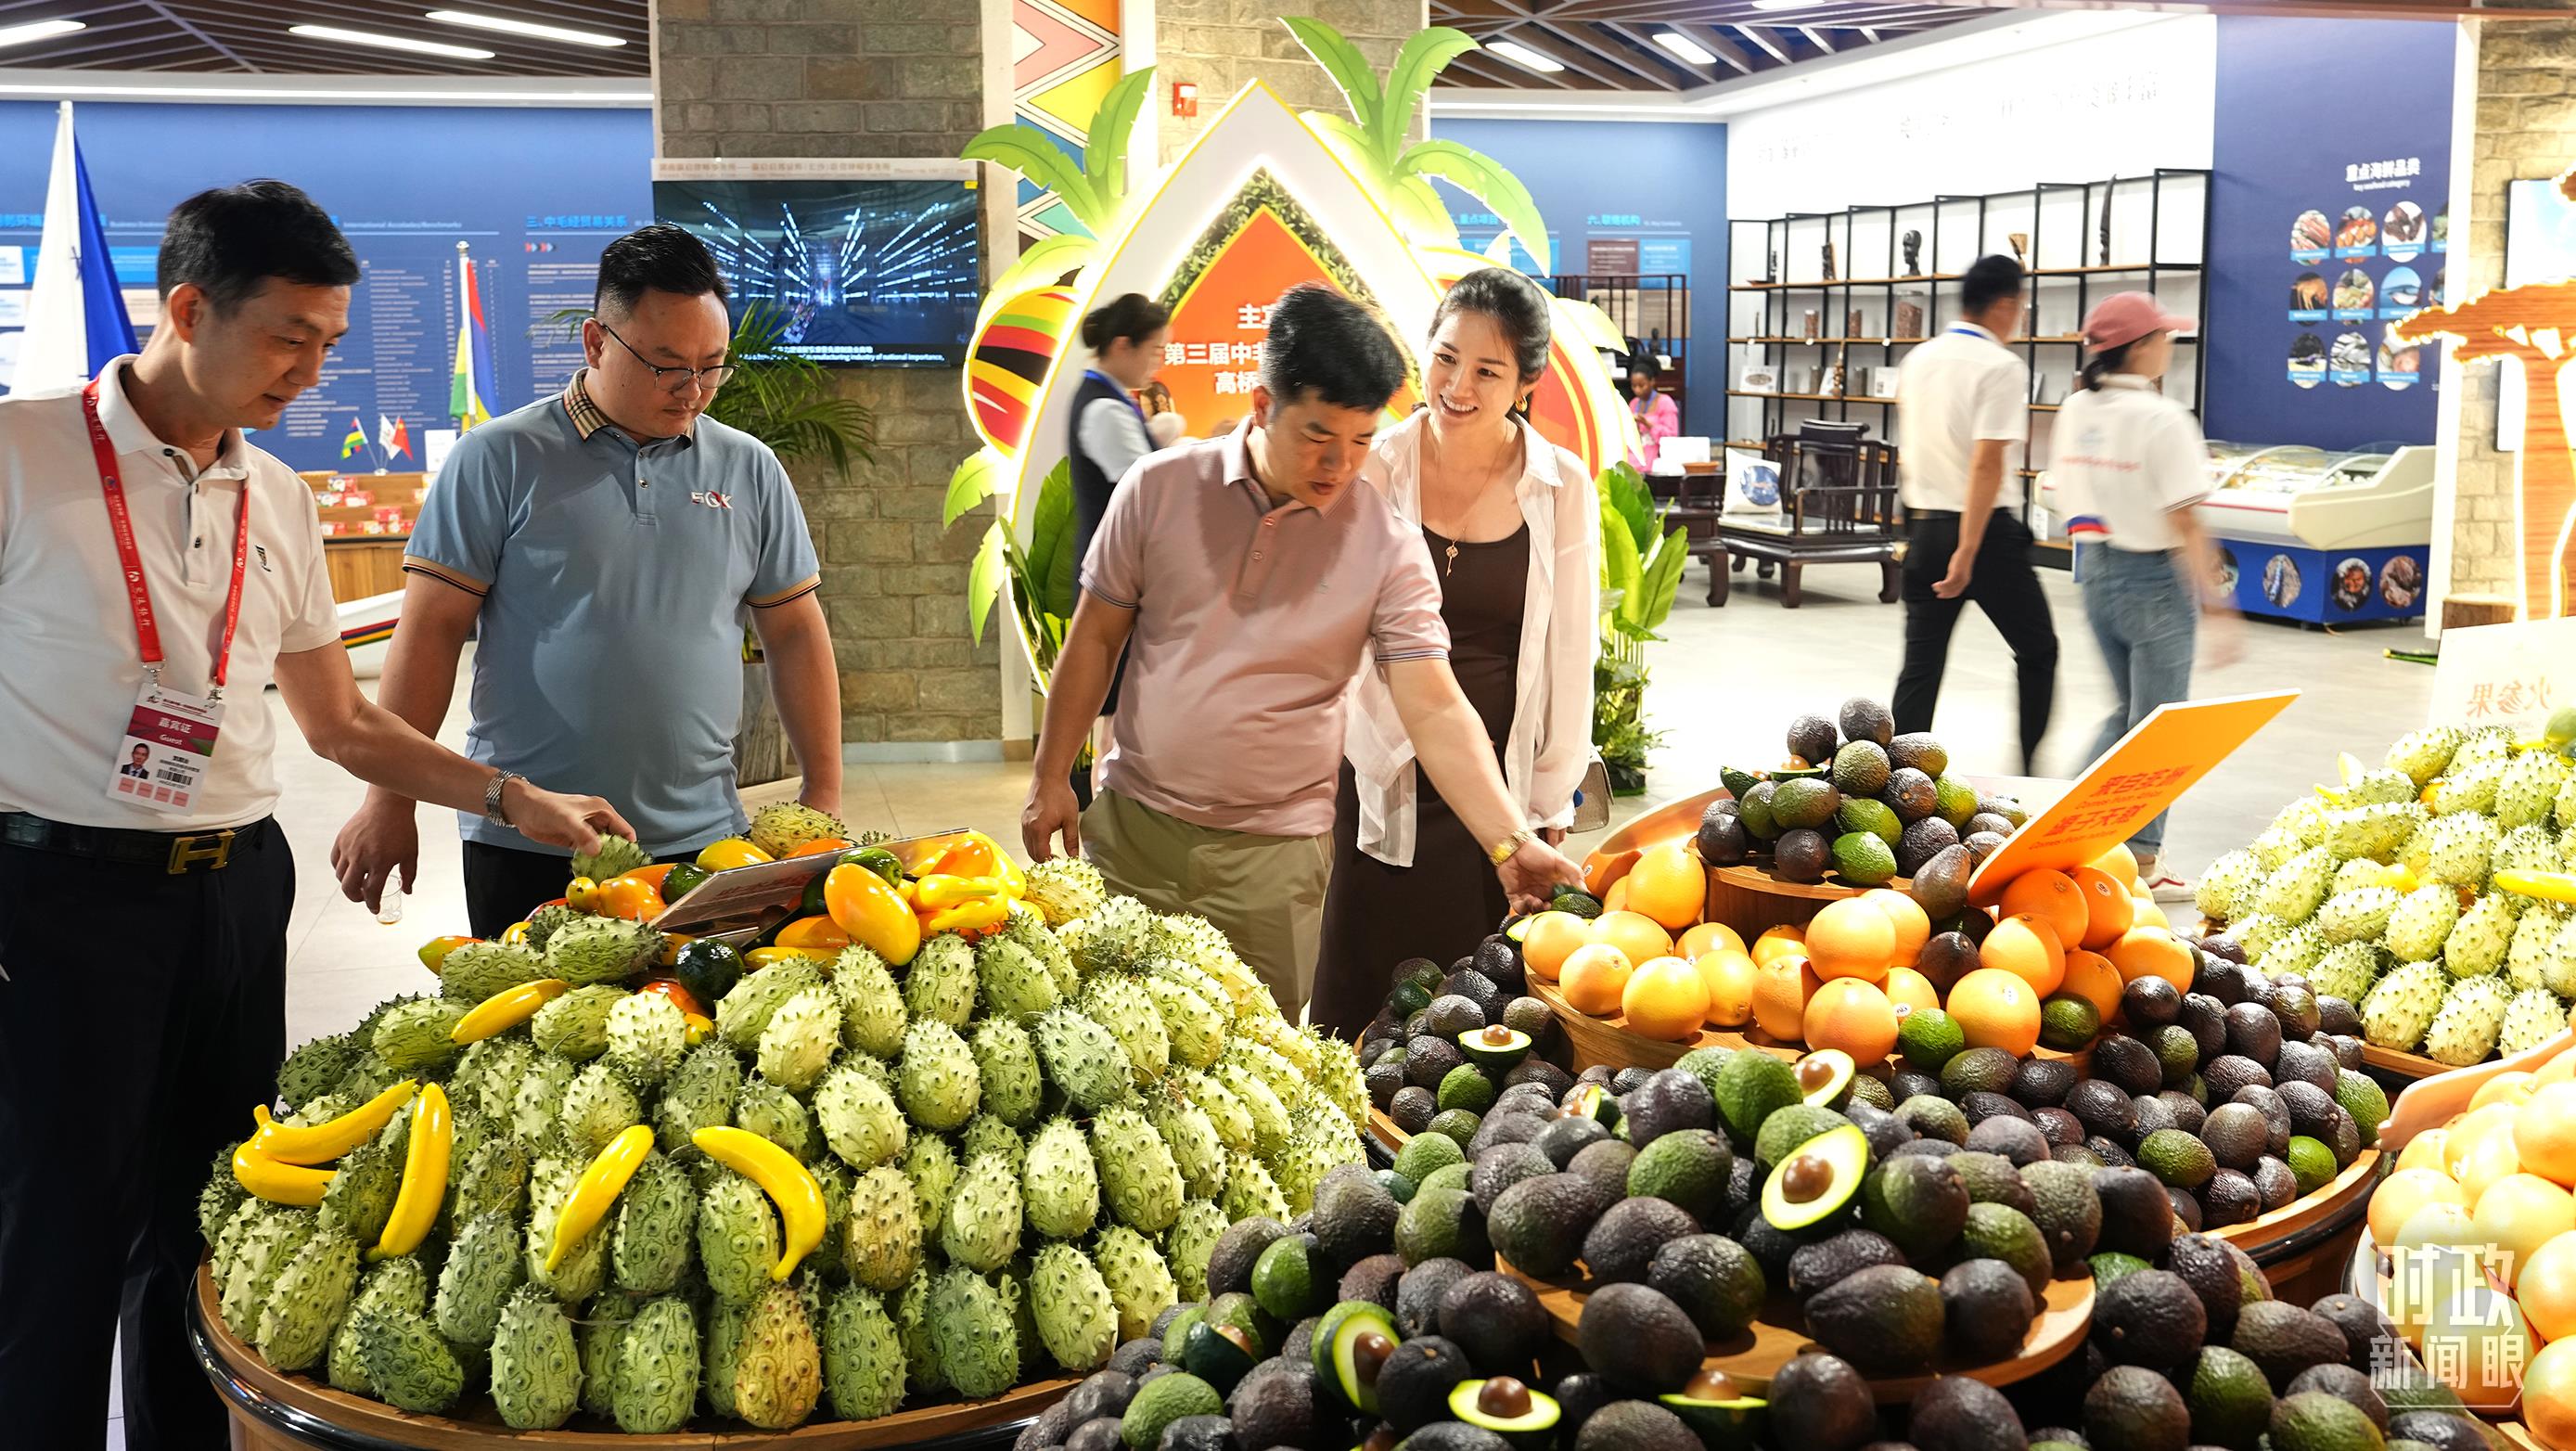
<point x="76" y="318"/>
<point x="356" y="440"/>
<point x="470" y="395"/>
<point x="393" y="436"/>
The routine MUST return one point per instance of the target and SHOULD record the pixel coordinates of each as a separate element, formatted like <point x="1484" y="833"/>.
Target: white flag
<point x="54" y="352"/>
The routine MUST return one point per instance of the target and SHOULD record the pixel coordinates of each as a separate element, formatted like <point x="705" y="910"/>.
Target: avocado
<point x="1750" y="1086"/>
<point x="1495" y="1320"/>
<point x="1819" y="1179"/>
<point x="1690" y="1169"/>
<point x="2228" y="1073"/>
<point x="1350" y="1348"/>
<point x="1623" y="1241"/>
<point x="1980" y="840"/>
<point x="1992" y="1179"/>
<point x="2311" y="1107"/>
<point x="2132" y="1408"/>
<point x="2363" y="1100"/>
<point x="1804" y="802"/>
<point x="2042" y="1083"/>
<point x="1563" y="1138"/>
<point x="1769" y="1245"/>
<point x="1465" y="1087"/>
<point x="1819" y="1266"/>
<point x="2205" y="1264"/>
<point x="1593" y="1099"/>
<point x="1986" y="1309"/>
<point x="1722" y="840"/>
<point x="1928" y="1148"/>
<point x="1670" y="1100"/>
<point x="2068" y="1022"/>
<point x="2150" y="1002"/>
<point x="1934" y="1117"/>
<point x="2177" y="1158"/>
<point x="2109" y="1267"/>
<point x="2285" y="1340"/>
<point x="1703" y="1063"/>
<point x="1426" y="1152"/>
<point x="1979" y="1106"/>
<point x="2149" y="1318"/>
<point x="1818" y="1402"/>
<point x="1237" y="1250"/>
<point x="2319" y="1421"/>
<point x="1529" y="1016"/>
<point x="1940" y="885"/>
<point x="2132" y="1065"/>
<point x="1289" y="1282"/>
<point x="1575" y="900"/>
<point x="1864" y="815"/>
<point x="1920" y="841"/>
<point x="2444" y="1430"/>
<point x="1441" y="1224"/>
<point x="1440" y="1436"/>
<point x="1354" y="1216"/>
<point x="1419" y="1292"/>
<point x="1163" y="1400"/>
<point x="1137" y="1356"/>
<point x="1800" y="856"/>
<point x="1980" y="1070"/>
<point x="1641" y="1337"/>
<point x="1458" y="1125"/>
<point x="1373" y="1279"/>
<point x="1860" y="769"/>
<point x="1753" y="810"/>
<point x="2062" y="1129"/>
<point x="1605" y="1164"/>
<point x="2228" y="1198"/>
<point x="1719" y="1412"/>
<point x="1219" y="1354"/>
<point x="1864" y="719"/>
<point x="1714" y="1280"/>
<point x="1825" y="1076"/>
<point x="1428" y="1058"/>
<point x="1812" y="738"/>
<point x="2309" y="1063"/>
<point x="1496" y="1048"/>
<point x="1498" y="1167"/>
<point x="1508" y="1408"/>
<point x="1917" y="1202"/>
<point x="2231" y="1402"/>
<point x="2346" y="1384"/>
<point x="2362" y="1324"/>
<point x="1886" y="1134"/>
<point x="1539" y="1224"/>
<point x="2188" y="1113"/>
<point x="1413" y="1108"/>
<point x="1864" y="858"/>
<point x="2017" y="1141"/>
<point x="1929" y="1038"/>
<point x="1792" y="1126"/>
<point x="1413" y="1387"/>
<point x="1454" y="1014"/>
<point x="1636" y="1426"/>
<point x="2136" y="1217"/>
<point x="1959" y="1413"/>
<point x="2103" y="1149"/>
<point x="2001" y="1232"/>
<point x="1886" y="1318"/>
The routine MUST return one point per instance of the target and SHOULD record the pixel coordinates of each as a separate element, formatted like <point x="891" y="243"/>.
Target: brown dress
<point x="1377" y="915"/>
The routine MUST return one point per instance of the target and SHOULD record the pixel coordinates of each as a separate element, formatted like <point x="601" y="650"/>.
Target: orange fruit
<point x="1854" y="1016"/>
<point x="2518" y="1214"/>
<point x="1996" y="1008"/>
<point x="2560" y="1069"/>
<point x="2152" y="950"/>
<point x="2406" y="1191"/>
<point x="2513" y="1088"/>
<point x="2544" y="1133"/>
<point x="1781" y="988"/>
<point x="2120" y="864"/>
<point x="1728" y="976"/>
<point x="1595" y="978"/>
<point x="1709" y="937"/>
<point x="2424" y="1151"/>
<point x="1616" y="899"/>
<point x="1552" y="938"/>
<point x="2489" y="1161"/>
<point x="1913" y="928"/>
<point x="2546" y="1287"/>
<point x="2053" y="898"/>
<point x="2027" y="947"/>
<point x="1668" y="884"/>
<point x="1665" y="999"/>
<point x="1909" y="990"/>
<point x="1851" y="938"/>
<point x="2472" y="1128"/>
<point x="1641" y="937"/>
<point x="2549" y="1392"/>
<point x="2109" y="909"/>
<point x="1785" y="938"/>
<point x="2090" y="976"/>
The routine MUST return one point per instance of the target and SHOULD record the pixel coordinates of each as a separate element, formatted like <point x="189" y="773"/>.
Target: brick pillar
<point x="861" y="78"/>
<point x="1223" y="44"/>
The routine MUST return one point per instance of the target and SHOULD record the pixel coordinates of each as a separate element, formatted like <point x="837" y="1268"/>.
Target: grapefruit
<point x="2151" y="950"/>
<point x="1552" y="938"/>
<point x="1909" y="990"/>
<point x="1665" y="999"/>
<point x="2559" y="1069"/>
<point x="1727" y="974"/>
<point x="2424" y="1151"/>
<point x="2549" y="1392"/>
<point x="1709" y="937"/>
<point x="1913" y="928"/>
<point x="2399" y="1196"/>
<point x="1786" y="938"/>
<point x="2120" y="864"/>
<point x="2108" y="907"/>
<point x="1854" y="1016"/>
<point x="1640" y="937"/>
<point x="2028" y="947"/>
<point x="2518" y="1214"/>
<point x="1996" y="1008"/>
<point x="1851" y="938"/>
<point x="1616" y="899"/>
<point x="1595" y="978"/>
<point x="2546" y="1287"/>
<point x="2544" y="1133"/>
<point x="1668" y="884"/>
<point x="2512" y="1088"/>
<point x="2090" y="976"/>
<point x="1781" y="990"/>
<point x="2053" y="898"/>
<point x="2490" y="1158"/>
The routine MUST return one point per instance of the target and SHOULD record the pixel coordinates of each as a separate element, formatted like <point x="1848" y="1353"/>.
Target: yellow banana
<point x="279" y="1183"/>
<point x="598" y="1187"/>
<point x="424" y="1181"/>
<point x="787" y="1183"/>
<point x="321" y="1143"/>
<point x="507" y="1009"/>
<point x="2552" y="886"/>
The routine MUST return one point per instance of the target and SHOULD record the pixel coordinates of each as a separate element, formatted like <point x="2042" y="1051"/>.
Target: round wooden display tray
<point x="1590" y="1040"/>
<point x="1779" y="1333"/>
<point x="275" y="1410"/>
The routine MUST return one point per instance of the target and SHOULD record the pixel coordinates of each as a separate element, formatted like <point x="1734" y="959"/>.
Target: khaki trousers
<point x="1265" y="893"/>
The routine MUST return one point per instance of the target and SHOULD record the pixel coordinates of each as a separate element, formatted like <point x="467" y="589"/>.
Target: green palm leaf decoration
<point x="1485" y="179"/>
<point x="1024" y="150"/>
<point x="1349" y="69"/>
<point x="1104" y="149"/>
<point x="985" y="576"/>
<point x="975" y="481"/>
<point x="790" y="402"/>
<point x="1425" y="55"/>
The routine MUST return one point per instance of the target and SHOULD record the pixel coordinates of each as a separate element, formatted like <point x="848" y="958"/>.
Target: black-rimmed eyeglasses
<point x="672" y="380"/>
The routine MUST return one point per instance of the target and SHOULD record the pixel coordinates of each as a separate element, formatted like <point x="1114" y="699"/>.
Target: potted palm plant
<point x="1641" y="571"/>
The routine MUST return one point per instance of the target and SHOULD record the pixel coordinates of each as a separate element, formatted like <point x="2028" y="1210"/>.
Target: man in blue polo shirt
<point x="604" y="547"/>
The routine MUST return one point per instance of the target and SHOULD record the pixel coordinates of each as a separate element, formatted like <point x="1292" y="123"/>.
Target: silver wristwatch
<point x="492" y="811"/>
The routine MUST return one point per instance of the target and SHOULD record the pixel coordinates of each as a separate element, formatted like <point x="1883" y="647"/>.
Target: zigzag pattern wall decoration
<point x="1064" y="58"/>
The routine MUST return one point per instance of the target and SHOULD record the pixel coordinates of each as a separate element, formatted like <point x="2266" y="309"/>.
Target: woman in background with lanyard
<point x="2131" y="467"/>
<point x="1108" y="435"/>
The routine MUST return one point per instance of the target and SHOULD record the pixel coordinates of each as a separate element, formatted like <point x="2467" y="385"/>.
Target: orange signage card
<point x="2145" y="773"/>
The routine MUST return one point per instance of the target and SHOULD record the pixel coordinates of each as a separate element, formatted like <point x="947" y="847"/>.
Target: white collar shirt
<point x="74" y="665"/>
<point x="2127" y="458"/>
<point x="1953" y="392"/>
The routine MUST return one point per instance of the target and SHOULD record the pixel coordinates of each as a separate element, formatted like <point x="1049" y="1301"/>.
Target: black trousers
<point x="141" y="1017"/>
<point x="2005" y="586"/>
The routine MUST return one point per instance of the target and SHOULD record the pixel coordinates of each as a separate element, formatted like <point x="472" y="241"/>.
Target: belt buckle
<point x="186" y="851"/>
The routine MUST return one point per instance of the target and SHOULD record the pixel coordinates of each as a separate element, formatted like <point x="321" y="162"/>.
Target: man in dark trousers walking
<point x="1962" y="403"/>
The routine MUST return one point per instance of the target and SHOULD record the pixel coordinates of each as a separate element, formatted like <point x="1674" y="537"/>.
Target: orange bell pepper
<point x="681" y="998"/>
<point x="871" y="913"/>
<point x="812" y="934"/>
<point x="630" y="898"/>
<point x="821" y="845"/>
<point x="652" y="876"/>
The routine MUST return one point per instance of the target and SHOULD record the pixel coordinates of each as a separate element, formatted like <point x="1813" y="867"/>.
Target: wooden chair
<point x="1838" y="506"/>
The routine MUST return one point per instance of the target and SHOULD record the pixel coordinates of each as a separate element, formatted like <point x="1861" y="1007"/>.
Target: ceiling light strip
<point x="389" y="42"/>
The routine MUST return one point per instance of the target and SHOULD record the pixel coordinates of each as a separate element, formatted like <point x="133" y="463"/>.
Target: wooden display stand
<point x="364" y="565"/>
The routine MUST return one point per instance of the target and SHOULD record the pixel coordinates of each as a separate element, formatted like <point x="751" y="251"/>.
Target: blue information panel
<point x="2325" y="586"/>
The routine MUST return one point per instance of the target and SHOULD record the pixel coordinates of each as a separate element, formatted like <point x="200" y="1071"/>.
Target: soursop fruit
<point x="473" y="971"/>
<point x="360" y="1197"/>
<point x="941" y="984"/>
<point x="932" y="1167"/>
<point x="882" y="1233"/>
<point x="937" y="1081"/>
<point x="872" y="1012"/>
<point x="1015" y="983"/>
<point x="1139" y="1281"/>
<point x="487" y="1075"/>
<point x="483" y="1268"/>
<point x="647" y="1033"/>
<point x="2375" y="833"/>
<point x="2484" y="934"/>
<point x="982" y="1227"/>
<point x="863" y="1360"/>
<point x="699" y="1094"/>
<point x="408" y="1366"/>
<point x="654" y="1385"/>
<point x="2356" y="916"/>
<point x="1076" y="1319"/>
<point x="972" y="1324"/>
<point x="2401" y="1005"/>
<point x="657" y="1216"/>
<point x="1116" y="937"/>
<point x="615" y="856"/>
<point x="544" y="923"/>
<point x="1192" y="1138"/>
<point x="776" y="1115"/>
<point x="1060" y="1184"/>
<point x="1251" y="1193"/>
<point x="414" y="1037"/>
<point x="2347" y="970"/>
<point x="778" y="1366"/>
<point x="2421" y="922"/>
<point x="308" y="1299"/>
<point x="781" y="827"/>
<point x="2294" y="892"/>
<point x="575" y="1026"/>
<point x="2424" y="754"/>
<point x="598" y="1105"/>
<point x="744" y="1011"/>
<point x="985" y="1134"/>
<point x="738" y="1237"/>
<point x="2528" y="961"/>
<point x="1084" y="1059"/>
<point x="2470" y="1021"/>
<point x="1137" y="1176"/>
<point x="1006" y="1063"/>
<point x="2533" y="1017"/>
<point x="1066" y="889"/>
<point x="315" y="1066"/>
<point x="859" y="1118"/>
<point x="536" y="1362"/>
<point x="601" y="950"/>
<point x="801" y="1038"/>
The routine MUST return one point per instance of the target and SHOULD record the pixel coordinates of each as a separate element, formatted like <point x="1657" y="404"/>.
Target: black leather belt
<point x="176" y="853"/>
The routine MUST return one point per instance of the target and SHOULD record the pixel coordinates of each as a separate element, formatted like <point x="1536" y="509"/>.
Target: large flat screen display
<point x="863" y="273"/>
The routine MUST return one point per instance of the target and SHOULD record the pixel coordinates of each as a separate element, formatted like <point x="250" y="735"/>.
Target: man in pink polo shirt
<point x="1248" y="593"/>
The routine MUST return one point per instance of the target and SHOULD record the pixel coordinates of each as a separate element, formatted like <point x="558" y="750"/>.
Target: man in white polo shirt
<point x="157" y="574"/>
<point x="1962" y="403"/>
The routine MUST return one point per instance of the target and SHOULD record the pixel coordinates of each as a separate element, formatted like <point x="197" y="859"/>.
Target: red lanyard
<point x="147" y="631"/>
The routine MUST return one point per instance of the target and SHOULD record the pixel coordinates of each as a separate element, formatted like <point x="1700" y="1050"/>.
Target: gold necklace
<point x="1449" y="564"/>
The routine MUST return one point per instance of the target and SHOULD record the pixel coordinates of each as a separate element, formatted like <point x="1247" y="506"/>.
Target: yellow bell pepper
<point x="424" y="1180"/>
<point x="506" y="1009"/>
<point x="515" y="935"/>
<point x="672" y="942"/>
<point x="597" y="1188"/>
<point x="788" y="1184"/>
<point x="699" y="1028"/>
<point x="939" y="891"/>
<point x="2548" y="886"/>
<point x="817" y="934"/>
<point x="760" y="957"/>
<point x="279" y="1183"/>
<point x="433" y="953"/>
<point x="972" y="918"/>
<point x="872" y="913"/>
<point x="582" y="895"/>
<point x="321" y="1143"/>
<point x="733" y="851"/>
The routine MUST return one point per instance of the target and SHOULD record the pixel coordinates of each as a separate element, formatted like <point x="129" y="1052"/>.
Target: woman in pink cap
<point x="2130" y="465"/>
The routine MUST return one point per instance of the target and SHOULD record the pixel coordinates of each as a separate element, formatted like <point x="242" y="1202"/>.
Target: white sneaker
<point x="2164" y="886"/>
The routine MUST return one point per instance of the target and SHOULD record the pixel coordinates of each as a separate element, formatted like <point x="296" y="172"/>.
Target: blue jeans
<point x="2146" y="615"/>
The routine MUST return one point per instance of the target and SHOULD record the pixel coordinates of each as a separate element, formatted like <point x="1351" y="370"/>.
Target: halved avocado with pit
<point x="1507" y="1408"/>
<point x="1825" y="1076"/>
<point x="1816" y="1181"/>
<point x="1351" y="1345"/>
<point x="1495" y="1048"/>
<point x="1593" y="1101"/>
<point x="1718" y="1412"/>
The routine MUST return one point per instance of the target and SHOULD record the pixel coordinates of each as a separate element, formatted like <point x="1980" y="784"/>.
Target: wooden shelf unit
<point x="1651" y="309"/>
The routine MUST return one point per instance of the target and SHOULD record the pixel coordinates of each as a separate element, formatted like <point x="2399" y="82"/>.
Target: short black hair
<point x="229" y="241"/>
<point x="1987" y="281"/>
<point x="1640" y="361"/>
<point x="1133" y="317"/>
<point x="658" y="258"/>
<point x="1323" y="343"/>
<point x="1514" y="303"/>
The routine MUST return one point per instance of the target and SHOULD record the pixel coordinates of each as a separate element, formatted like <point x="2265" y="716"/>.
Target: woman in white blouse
<point x="1513" y="527"/>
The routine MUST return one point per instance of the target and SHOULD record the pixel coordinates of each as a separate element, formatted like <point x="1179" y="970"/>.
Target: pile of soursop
<point x="2380" y="891"/>
<point x="1026" y="1149"/>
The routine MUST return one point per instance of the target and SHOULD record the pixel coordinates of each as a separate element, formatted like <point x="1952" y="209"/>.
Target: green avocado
<point x="1576" y="901"/>
<point x="1217" y="1354"/>
<point x="1732" y="1423"/>
<point x="1818" y="1180"/>
<point x="1826" y="1075"/>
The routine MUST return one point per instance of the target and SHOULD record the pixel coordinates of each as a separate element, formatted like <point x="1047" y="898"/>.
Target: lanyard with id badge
<point x="169" y="741"/>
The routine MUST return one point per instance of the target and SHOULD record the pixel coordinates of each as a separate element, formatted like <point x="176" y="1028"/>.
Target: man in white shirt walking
<point x="1961" y="406"/>
<point x="157" y="574"/>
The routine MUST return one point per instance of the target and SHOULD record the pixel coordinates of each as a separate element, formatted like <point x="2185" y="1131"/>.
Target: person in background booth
<point x="1658" y="416"/>
<point x="1514" y="533"/>
<point x="1110" y="432"/>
